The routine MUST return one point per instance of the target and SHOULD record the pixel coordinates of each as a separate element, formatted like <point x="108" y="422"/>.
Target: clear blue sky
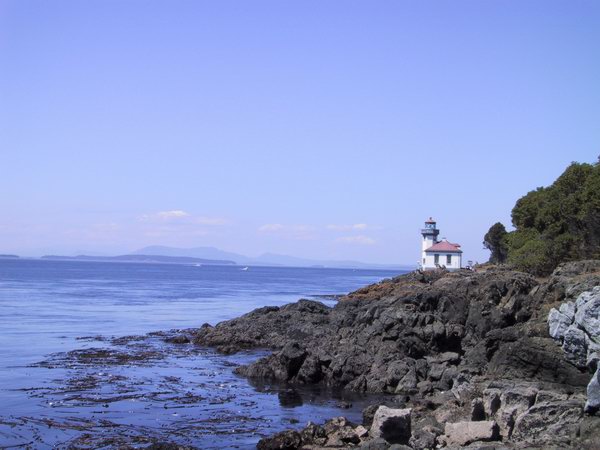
<point x="323" y="129"/>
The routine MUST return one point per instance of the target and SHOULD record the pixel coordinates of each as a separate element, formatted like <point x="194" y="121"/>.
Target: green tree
<point x="556" y="223"/>
<point x="495" y="241"/>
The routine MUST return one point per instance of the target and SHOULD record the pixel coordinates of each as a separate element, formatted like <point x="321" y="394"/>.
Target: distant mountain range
<point x="266" y="259"/>
<point x="215" y="256"/>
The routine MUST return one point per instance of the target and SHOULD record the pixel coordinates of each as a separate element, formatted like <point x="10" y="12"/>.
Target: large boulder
<point x="393" y="425"/>
<point x="558" y="323"/>
<point x="547" y="422"/>
<point x="463" y="433"/>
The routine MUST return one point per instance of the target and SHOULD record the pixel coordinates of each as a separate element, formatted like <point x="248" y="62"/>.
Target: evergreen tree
<point x="557" y="223"/>
<point x="495" y="241"/>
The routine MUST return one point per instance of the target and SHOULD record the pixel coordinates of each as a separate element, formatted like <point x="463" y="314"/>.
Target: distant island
<point x="266" y="259"/>
<point x="215" y="256"/>
<point x="142" y="258"/>
<point x="9" y="256"/>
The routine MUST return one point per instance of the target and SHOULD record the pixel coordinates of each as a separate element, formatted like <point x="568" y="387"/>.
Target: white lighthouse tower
<point x="430" y="234"/>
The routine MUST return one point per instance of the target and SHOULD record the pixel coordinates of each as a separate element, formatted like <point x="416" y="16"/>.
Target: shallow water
<point x="139" y="390"/>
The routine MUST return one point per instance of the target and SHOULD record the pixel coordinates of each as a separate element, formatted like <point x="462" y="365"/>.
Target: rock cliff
<point x="450" y="347"/>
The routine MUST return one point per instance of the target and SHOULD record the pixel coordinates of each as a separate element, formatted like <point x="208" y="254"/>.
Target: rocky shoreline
<point x="466" y="358"/>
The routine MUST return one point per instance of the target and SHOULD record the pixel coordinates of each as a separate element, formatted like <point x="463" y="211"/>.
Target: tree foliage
<point x="495" y="241"/>
<point x="557" y="223"/>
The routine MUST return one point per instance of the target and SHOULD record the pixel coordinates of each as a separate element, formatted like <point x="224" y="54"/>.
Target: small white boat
<point x="197" y="265"/>
<point x="244" y="268"/>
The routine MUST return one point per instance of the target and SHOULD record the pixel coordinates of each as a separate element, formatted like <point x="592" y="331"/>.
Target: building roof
<point x="444" y="247"/>
<point x="430" y="220"/>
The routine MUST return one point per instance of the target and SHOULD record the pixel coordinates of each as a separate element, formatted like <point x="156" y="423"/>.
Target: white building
<point x="437" y="254"/>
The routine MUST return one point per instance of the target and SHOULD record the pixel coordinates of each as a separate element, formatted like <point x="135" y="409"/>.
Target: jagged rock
<point x="286" y="440"/>
<point x="547" y="422"/>
<point x="558" y="323"/>
<point x="568" y="310"/>
<point x="587" y="315"/>
<point x="424" y="438"/>
<point x="575" y="346"/>
<point x="393" y="425"/>
<point x="340" y="432"/>
<point x="581" y="340"/>
<point x="593" y="393"/>
<point x="463" y="433"/>
<point x="424" y="336"/>
<point x="368" y="413"/>
<point x="313" y="434"/>
<point x="513" y="402"/>
<point x="283" y="365"/>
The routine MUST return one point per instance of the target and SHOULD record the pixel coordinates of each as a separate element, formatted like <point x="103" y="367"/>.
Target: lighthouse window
<point x="436" y="259"/>
<point x="448" y="259"/>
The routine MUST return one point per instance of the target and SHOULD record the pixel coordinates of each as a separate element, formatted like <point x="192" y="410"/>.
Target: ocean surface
<point x="78" y="368"/>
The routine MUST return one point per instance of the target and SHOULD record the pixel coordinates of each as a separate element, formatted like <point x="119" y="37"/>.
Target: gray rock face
<point x="577" y="326"/>
<point x="575" y="345"/>
<point x="587" y="315"/>
<point x="547" y="422"/>
<point x="463" y="433"/>
<point x="558" y="323"/>
<point x="593" y="393"/>
<point x="568" y="310"/>
<point x="393" y="425"/>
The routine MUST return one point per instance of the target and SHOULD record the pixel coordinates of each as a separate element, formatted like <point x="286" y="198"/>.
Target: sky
<point x="320" y="129"/>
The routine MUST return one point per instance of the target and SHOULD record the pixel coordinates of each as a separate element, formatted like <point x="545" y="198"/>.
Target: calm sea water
<point x="47" y="307"/>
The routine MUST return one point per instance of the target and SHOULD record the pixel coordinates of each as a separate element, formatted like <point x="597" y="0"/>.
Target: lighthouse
<point x="438" y="254"/>
<point x="430" y="234"/>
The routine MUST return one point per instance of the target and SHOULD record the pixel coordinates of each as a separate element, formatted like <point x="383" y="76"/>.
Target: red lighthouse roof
<point x="430" y="220"/>
<point x="445" y="247"/>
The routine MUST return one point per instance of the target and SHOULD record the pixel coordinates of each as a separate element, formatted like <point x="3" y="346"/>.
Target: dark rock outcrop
<point x="455" y="347"/>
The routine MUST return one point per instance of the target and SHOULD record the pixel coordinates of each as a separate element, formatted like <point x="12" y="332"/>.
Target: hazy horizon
<point x="326" y="131"/>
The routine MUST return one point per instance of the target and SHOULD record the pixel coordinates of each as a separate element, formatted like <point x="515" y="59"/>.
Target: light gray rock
<point x="558" y="324"/>
<point x="463" y="433"/>
<point x="587" y="315"/>
<point x="593" y="393"/>
<point x="575" y="346"/>
<point x="585" y="297"/>
<point x="568" y="309"/>
<point x="549" y="422"/>
<point x="513" y="402"/>
<point x="393" y="425"/>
